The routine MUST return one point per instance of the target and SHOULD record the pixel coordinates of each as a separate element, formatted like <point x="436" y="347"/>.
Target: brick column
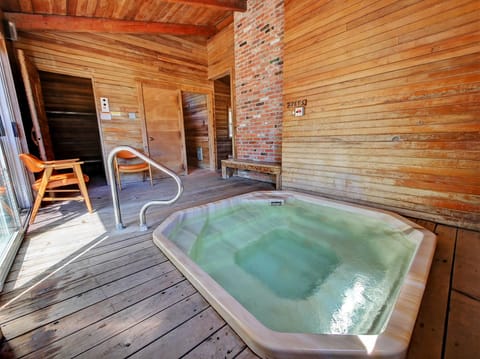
<point x="259" y="80"/>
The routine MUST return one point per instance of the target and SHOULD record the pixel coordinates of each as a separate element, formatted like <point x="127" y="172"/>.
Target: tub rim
<point x="393" y="342"/>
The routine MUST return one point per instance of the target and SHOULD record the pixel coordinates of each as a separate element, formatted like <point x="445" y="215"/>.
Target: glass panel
<point x="9" y="217"/>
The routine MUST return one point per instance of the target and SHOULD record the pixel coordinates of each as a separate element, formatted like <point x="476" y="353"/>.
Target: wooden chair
<point x="50" y="181"/>
<point x="122" y="165"/>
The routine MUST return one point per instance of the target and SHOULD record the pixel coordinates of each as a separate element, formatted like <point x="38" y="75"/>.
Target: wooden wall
<point x="221" y="53"/>
<point x="393" y="116"/>
<point x="195" y="117"/>
<point x="117" y="64"/>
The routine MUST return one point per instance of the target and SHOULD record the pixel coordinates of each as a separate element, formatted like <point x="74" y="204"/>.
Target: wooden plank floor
<point x="81" y="288"/>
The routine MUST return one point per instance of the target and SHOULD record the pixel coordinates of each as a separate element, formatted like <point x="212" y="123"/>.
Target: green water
<point x="301" y="267"/>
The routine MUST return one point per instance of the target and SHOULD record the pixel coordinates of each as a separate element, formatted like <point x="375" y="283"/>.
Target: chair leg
<point x="117" y="175"/>
<point x="41" y="193"/>
<point x="119" y="181"/>
<point x="83" y="188"/>
<point x="150" y="174"/>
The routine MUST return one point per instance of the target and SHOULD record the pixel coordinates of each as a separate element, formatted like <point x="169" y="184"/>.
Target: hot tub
<point x="299" y="276"/>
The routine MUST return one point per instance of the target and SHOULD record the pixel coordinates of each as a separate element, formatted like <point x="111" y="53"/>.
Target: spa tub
<point x="299" y="276"/>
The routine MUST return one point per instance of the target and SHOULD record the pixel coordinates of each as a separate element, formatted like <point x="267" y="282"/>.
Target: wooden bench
<point x="273" y="168"/>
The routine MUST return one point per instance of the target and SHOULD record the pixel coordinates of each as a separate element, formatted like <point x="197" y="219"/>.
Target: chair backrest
<point x="126" y="155"/>
<point x="32" y="163"/>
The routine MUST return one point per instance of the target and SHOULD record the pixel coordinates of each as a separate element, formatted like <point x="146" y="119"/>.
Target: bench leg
<point x="228" y="172"/>
<point x="224" y="171"/>
<point x="278" y="181"/>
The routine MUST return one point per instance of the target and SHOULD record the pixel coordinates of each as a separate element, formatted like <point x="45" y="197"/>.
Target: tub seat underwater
<point x="301" y="276"/>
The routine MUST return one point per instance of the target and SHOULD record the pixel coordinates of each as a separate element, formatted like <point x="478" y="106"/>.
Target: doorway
<point x="72" y="120"/>
<point x="223" y="119"/>
<point x="195" y="120"/>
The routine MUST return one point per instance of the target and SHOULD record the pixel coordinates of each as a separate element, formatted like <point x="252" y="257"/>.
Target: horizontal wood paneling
<point x="116" y="64"/>
<point x="221" y="53"/>
<point x="392" y="115"/>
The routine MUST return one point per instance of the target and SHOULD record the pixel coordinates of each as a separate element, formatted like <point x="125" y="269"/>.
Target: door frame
<point x="181" y="88"/>
<point x="85" y="75"/>
<point x="230" y="72"/>
<point x="13" y="143"/>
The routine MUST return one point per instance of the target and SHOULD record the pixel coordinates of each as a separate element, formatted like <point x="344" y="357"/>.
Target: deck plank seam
<point x="465" y="294"/>
<point x="172" y="329"/>
<point x="163" y="289"/>
<point x="92" y="304"/>
<point x="25" y="273"/>
<point x="449" y="296"/>
<point x="181" y="299"/>
<point x="200" y="343"/>
<point x="84" y="279"/>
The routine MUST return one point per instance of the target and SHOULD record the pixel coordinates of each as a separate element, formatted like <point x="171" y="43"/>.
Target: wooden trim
<point x="141" y="110"/>
<point x="181" y="126"/>
<point x="233" y="99"/>
<point x="212" y="145"/>
<point x="31" y="22"/>
<point x="233" y="5"/>
<point x="230" y="72"/>
<point x="100" y="129"/>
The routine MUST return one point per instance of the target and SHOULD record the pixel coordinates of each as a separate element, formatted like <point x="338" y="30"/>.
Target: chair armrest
<point x="61" y="164"/>
<point x="61" y="161"/>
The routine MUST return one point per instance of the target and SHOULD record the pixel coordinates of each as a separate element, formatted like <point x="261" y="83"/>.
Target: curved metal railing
<point x="113" y="186"/>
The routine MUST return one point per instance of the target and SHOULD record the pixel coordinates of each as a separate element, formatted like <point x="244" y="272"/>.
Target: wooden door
<point x="33" y="89"/>
<point x="164" y="127"/>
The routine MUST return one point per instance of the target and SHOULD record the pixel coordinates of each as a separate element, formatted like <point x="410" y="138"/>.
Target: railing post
<point x="113" y="184"/>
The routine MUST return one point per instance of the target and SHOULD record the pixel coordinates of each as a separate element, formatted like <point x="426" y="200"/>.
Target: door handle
<point x="150" y="138"/>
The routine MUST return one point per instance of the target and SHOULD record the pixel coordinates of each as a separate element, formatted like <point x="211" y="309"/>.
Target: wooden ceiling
<point x="178" y="17"/>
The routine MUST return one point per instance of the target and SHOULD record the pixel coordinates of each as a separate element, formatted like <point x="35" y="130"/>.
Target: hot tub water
<point x="301" y="267"/>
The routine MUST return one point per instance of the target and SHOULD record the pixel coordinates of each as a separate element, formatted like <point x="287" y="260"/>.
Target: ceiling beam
<point x="233" y="5"/>
<point x="30" y="22"/>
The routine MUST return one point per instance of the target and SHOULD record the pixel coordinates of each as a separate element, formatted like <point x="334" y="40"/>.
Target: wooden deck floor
<point x="81" y="288"/>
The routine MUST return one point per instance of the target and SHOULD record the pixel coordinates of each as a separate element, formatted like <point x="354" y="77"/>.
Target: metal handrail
<point x="113" y="185"/>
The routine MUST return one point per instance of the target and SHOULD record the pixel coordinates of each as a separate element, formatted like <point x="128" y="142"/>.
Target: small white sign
<point x="299" y="111"/>
<point x="105" y="116"/>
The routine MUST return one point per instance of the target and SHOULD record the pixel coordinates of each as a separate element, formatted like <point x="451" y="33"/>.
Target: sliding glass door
<point x="15" y="193"/>
<point x="10" y="225"/>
